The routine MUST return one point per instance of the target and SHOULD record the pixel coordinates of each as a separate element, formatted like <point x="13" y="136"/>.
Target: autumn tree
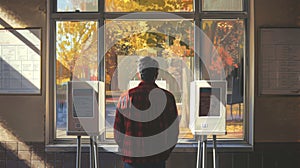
<point x="227" y="38"/>
<point x="164" y="38"/>
<point x="76" y="48"/>
<point x="145" y="5"/>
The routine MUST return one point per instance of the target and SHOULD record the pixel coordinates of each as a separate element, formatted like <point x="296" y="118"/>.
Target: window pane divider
<point x="228" y="146"/>
<point x="149" y="15"/>
<point x="76" y="16"/>
<point x="223" y="15"/>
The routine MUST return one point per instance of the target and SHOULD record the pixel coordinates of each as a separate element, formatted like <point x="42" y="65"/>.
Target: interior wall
<point x="22" y="116"/>
<point x="276" y="117"/>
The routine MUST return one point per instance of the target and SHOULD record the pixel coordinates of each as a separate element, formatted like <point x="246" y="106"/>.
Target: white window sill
<point x="180" y="147"/>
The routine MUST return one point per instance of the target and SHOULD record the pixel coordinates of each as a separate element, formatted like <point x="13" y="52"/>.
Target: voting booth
<point x="207" y="115"/>
<point x="86" y="115"/>
<point x="208" y="107"/>
<point x="86" y="108"/>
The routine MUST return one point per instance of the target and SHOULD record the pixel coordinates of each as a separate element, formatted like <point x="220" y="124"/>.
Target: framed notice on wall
<point x="20" y="61"/>
<point x="279" y="61"/>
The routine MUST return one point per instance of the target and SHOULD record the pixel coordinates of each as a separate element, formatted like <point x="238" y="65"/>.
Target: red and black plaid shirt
<point x="139" y="98"/>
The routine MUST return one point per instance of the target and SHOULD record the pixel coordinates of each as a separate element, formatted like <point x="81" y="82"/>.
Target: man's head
<point x="148" y="69"/>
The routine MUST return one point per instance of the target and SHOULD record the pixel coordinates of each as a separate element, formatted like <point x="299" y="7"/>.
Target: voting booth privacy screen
<point x="208" y="107"/>
<point x="86" y="108"/>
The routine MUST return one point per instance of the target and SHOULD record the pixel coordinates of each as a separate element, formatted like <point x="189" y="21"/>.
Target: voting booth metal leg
<point x="215" y="156"/>
<point x="91" y="153"/>
<point x="199" y="153"/>
<point x="94" y="152"/>
<point x="96" y="158"/>
<point x="78" y="156"/>
<point x="202" y="152"/>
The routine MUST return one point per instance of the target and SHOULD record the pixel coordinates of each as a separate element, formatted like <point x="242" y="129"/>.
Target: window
<point x="144" y="5"/>
<point x="76" y="59"/>
<point x="222" y="5"/>
<point x="77" y="5"/>
<point x="171" y="41"/>
<point x="103" y="39"/>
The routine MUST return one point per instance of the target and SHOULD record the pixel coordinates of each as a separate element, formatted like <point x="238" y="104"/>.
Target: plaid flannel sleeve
<point x="119" y="128"/>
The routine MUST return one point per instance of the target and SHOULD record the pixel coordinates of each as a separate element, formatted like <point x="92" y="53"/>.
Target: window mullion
<point x="223" y="15"/>
<point x="76" y="16"/>
<point x="149" y="15"/>
<point x="101" y="52"/>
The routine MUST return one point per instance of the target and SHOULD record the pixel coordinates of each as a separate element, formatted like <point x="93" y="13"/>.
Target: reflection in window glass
<point x="228" y="37"/>
<point x="146" y="5"/>
<point x="171" y="42"/>
<point x="222" y="5"/>
<point x="77" y="5"/>
<point x="76" y="59"/>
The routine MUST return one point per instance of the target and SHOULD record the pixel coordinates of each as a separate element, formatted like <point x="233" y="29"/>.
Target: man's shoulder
<point x="130" y="92"/>
<point x="134" y="90"/>
<point x="139" y="90"/>
<point x="124" y="94"/>
<point x="168" y="93"/>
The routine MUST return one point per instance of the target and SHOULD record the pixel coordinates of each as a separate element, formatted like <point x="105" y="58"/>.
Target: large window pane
<point x="171" y="42"/>
<point x="77" y="5"/>
<point x="76" y="59"/>
<point x="222" y="5"/>
<point x="228" y="38"/>
<point x="146" y="5"/>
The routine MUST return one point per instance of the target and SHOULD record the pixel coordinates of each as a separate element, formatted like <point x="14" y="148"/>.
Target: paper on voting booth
<point x="209" y="101"/>
<point x="83" y="101"/>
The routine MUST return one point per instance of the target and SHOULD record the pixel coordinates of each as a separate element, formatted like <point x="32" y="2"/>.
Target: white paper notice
<point x="20" y="61"/>
<point x="83" y="102"/>
<point x="280" y="61"/>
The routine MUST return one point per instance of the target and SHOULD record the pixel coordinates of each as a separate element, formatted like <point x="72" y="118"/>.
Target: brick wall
<point x="32" y="155"/>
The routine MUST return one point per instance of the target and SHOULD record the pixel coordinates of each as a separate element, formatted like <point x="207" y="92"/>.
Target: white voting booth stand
<point x="207" y="115"/>
<point x="86" y="115"/>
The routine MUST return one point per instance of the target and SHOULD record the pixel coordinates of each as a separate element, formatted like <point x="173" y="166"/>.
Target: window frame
<point x="197" y="15"/>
